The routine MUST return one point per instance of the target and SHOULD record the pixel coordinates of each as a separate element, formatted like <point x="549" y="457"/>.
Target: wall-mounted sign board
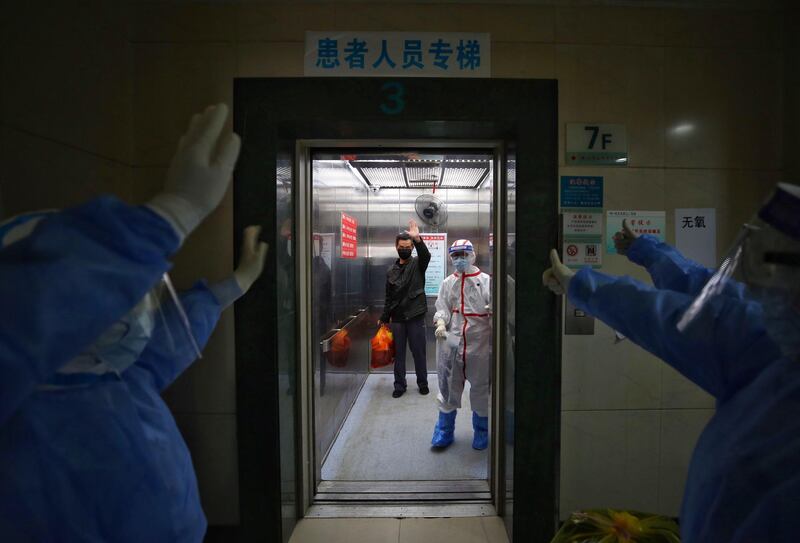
<point x="581" y="191"/>
<point x="437" y="267"/>
<point x="397" y="54"/>
<point x="583" y="237"/>
<point x="696" y="235"/>
<point x="596" y="144"/>
<point x="349" y="247"/>
<point x="641" y="222"/>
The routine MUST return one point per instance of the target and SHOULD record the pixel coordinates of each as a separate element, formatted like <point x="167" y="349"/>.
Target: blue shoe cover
<point x="481" y="427"/>
<point x="443" y="433"/>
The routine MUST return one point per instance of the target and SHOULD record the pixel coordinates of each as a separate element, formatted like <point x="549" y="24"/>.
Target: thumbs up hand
<point x="557" y="276"/>
<point x="624" y="238"/>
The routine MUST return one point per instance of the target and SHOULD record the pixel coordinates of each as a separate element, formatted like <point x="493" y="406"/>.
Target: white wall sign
<point x="641" y="222"/>
<point x="596" y="144"/>
<point x="583" y="223"/>
<point x="583" y="237"/>
<point x="437" y="268"/>
<point x="397" y="54"/>
<point x="323" y="246"/>
<point x="696" y="235"/>
<point x="578" y="254"/>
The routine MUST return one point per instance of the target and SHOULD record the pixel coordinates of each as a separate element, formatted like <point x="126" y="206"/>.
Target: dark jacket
<point x="405" y="287"/>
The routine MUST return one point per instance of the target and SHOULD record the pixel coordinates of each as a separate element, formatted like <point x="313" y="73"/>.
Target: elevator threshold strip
<point x="475" y="491"/>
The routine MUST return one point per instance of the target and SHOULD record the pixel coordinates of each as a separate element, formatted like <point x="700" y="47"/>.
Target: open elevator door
<point x="370" y="451"/>
<point x="275" y="117"/>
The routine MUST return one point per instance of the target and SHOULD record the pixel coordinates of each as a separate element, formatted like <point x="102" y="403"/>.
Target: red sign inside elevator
<point x="349" y="236"/>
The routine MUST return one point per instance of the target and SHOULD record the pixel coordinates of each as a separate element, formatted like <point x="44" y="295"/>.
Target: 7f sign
<point x="597" y="144"/>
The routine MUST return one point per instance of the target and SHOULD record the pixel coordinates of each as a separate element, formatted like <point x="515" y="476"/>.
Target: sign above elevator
<point x="397" y="54"/>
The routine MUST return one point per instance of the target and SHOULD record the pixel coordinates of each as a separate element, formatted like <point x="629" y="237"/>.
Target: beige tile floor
<point x="407" y="530"/>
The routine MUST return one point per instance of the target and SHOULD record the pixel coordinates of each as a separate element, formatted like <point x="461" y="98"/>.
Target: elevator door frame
<point x="270" y="114"/>
<point x="455" y="498"/>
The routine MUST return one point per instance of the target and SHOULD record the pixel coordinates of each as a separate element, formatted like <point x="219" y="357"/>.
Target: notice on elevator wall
<point x="583" y="237"/>
<point x="579" y="254"/>
<point x="323" y="247"/>
<point x="437" y="268"/>
<point x="582" y="191"/>
<point x="696" y="235"/>
<point x="349" y="236"/>
<point x="583" y="223"/>
<point x="641" y="222"/>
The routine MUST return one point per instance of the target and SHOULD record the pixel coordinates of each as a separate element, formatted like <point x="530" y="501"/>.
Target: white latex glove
<point x="558" y="276"/>
<point x="624" y="238"/>
<point x="199" y="173"/>
<point x="251" y="260"/>
<point x="441" y="329"/>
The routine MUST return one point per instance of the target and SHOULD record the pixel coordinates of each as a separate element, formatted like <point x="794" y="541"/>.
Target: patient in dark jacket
<point x="406" y="306"/>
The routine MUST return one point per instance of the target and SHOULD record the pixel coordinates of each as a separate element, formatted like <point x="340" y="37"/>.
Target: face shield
<point x="159" y="313"/>
<point x="119" y="346"/>
<point x="462" y="255"/>
<point x="763" y="265"/>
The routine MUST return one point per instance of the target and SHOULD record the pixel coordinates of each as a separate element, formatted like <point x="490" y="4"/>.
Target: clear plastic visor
<point x="762" y="262"/>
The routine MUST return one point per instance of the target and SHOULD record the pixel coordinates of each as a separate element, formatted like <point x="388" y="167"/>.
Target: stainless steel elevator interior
<point x="376" y="192"/>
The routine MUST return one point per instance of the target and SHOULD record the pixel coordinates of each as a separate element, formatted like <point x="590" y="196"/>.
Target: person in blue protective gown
<point x="735" y="333"/>
<point x="88" y="449"/>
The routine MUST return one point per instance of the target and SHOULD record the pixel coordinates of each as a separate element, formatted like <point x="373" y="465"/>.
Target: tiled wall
<point x="629" y="421"/>
<point x="95" y="97"/>
<point x="65" y="104"/>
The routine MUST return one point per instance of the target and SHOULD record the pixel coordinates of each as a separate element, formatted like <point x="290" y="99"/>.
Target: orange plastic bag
<point x="382" y="348"/>
<point x="340" y="349"/>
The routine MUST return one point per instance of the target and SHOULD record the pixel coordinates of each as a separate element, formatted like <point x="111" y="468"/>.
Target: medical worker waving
<point x="736" y="334"/>
<point x="89" y="451"/>
<point x="464" y="351"/>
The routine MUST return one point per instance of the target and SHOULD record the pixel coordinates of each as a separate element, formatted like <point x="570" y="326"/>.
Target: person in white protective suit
<point x="464" y="348"/>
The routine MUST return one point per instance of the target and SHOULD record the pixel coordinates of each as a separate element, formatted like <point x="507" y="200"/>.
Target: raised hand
<point x="251" y="261"/>
<point x="413" y="230"/>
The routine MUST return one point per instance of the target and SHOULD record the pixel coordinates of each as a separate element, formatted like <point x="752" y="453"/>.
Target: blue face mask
<point x="120" y="346"/>
<point x="461" y="263"/>
<point x="781" y="319"/>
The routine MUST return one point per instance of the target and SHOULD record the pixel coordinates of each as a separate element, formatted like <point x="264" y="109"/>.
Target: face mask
<point x="461" y="263"/>
<point x="404" y="254"/>
<point x="782" y="320"/>
<point x="120" y="346"/>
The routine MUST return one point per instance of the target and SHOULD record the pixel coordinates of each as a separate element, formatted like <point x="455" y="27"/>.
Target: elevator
<point x="368" y="446"/>
<point x="333" y="178"/>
